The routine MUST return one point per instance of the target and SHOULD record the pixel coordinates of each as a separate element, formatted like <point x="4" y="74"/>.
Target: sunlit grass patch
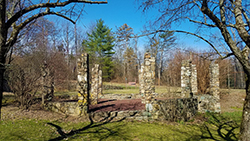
<point x="217" y="127"/>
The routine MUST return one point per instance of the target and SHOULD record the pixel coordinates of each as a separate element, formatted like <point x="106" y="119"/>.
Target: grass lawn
<point x="216" y="127"/>
<point x="127" y="89"/>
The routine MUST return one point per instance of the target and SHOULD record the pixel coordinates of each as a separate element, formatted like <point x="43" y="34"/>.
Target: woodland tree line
<point x="116" y="51"/>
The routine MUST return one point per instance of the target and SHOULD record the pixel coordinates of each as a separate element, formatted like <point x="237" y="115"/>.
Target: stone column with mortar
<point x="189" y="85"/>
<point x="83" y="83"/>
<point x="141" y="83"/>
<point x="214" y="80"/>
<point x="194" y="85"/>
<point x="149" y="80"/>
<point x="215" y="85"/>
<point x="100" y="94"/>
<point x="94" y="85"/>
<point x="185" y="78"/>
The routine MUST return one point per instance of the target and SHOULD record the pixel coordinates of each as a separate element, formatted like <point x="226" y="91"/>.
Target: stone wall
<point x="175" y="109"/>
<point x="147" y="79"/>
<point x="160" y="96"/>
<point x="83" y="83"/>
<point x="67" y="108"/>
<point x="208" y="103"/>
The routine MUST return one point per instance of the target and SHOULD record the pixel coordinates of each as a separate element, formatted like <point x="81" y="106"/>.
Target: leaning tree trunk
<point x="245" y="124"/>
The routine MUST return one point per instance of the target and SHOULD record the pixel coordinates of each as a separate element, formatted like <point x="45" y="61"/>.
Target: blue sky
<point x="118" y="12"/>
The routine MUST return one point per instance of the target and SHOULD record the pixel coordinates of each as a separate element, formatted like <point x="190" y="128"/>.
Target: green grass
<point x="237" y="108"/>
<point x="217" y="127"/>
<point x="127" y="89"/>
<point x="41" y="130"/>
<point x="222" y="127"/>
<point x="135" y="89"/>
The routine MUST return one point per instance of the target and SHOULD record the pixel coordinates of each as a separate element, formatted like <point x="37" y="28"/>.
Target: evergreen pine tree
<point x="99" y="46"/>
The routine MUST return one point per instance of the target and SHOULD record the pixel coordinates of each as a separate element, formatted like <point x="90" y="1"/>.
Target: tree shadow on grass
<point x="99" y="130"/>
<point x="219" y="127"/>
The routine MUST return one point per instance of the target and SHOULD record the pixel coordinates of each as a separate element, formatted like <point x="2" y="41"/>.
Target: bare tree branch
<point x="210" y="25"/>
<point x="180" y="31"/>
<point x="228" y="55"/>
<point x="20" y="13"/>
<point x="225" y="33"/>
<point x="18" y="28"/>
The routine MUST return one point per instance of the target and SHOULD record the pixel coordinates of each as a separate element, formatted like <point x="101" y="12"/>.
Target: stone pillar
<point x="141" y="83"/>
<point x="94" y="85"/>
<point x="185" y="78"/>
<point x="100" y="84"/>
<point x="148" y="78"/>
<point x="83" y="83"/>
<point x="194" y="85"/>
<point x="215" y="86"/>
<point x="189" y="85"/>
<point x="214" y="80"/>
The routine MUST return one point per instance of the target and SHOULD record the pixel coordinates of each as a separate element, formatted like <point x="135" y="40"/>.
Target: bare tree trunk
<point x="1" y="88"/>
<point x="67" y="40"/>
<point x="2" y="70"/>
<point x="245" y="124"/>
<point x="126" y="66"/>
<point x="3" y="49"/>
